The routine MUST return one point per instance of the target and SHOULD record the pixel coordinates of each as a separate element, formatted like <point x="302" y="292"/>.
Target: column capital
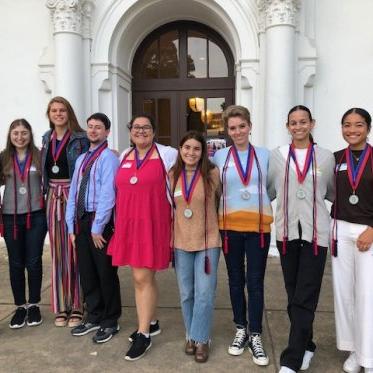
<point x="277" y="12"/>
<point x="87" y="11"/>
<point x="66" y="15"/>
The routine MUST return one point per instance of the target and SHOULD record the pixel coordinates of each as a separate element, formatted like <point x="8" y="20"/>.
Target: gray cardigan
<point x="300" y="210"/>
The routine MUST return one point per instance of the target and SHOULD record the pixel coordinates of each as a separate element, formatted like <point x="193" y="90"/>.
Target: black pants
<point x="303" y="272"/>
<point x="25" y="252"/>
<point x="98" y="278"/>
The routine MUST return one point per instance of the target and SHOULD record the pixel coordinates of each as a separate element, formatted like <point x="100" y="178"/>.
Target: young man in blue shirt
<point x="90" y="226"/>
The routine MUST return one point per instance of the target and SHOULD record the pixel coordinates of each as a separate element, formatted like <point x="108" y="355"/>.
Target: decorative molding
<point x="277" y="12"/>
<point x="87" y="11"/>
<point x="66" y="15"/>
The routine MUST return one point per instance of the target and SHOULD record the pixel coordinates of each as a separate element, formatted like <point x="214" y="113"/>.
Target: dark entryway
<point x="183" y="76"/>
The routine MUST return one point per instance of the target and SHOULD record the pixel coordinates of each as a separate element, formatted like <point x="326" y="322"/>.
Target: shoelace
<point x="239" y="338"/>
<point x="256" y="344"/>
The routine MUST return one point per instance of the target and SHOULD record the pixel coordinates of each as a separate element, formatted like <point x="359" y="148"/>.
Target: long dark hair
<point x="9" y="151"/>
<point x="204" y="163"/>
<point x="362" y="112"/>
<point x="72" y="122"/>
<point x="308" y="111"/>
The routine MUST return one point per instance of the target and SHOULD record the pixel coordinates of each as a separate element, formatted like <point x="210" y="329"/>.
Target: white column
<point x="66" y="16"/>
<point x="279" y="19"/>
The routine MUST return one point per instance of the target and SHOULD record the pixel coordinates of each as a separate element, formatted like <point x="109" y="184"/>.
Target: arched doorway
<point x="183" y="76"/>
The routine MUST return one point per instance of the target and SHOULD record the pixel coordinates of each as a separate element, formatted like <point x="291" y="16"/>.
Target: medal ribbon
<point x="22" y="172"/>
<point x="140" y="162"/>
<point x="244" y="174"/>
<point x="355" y="173"/>
<point x="57" y="149"/>
<point x="90" y="157"/>
<point x="188" y="190"/>
<point x="302" y="174"/>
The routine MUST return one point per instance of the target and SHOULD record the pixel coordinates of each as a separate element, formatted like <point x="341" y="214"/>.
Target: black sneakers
<point x="154" y="329"/>
<point x="105" y="334"/>
<point x="19" y="318"/>
<point x="34" y="316"/>
<point x="256" y="348"/>
<point x="140" y="345"/>
<point x="239" y="342"/>
<point x="84" y="329"/>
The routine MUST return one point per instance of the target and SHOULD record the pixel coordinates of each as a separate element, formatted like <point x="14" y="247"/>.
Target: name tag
<point x="343" y="167"/>
<point x="178" y="193"/>
<point x="32" y="168"/>
<point x="127" y="165"/>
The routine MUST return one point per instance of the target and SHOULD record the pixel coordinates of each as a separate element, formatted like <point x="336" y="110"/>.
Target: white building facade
<point x="109" y="56"/>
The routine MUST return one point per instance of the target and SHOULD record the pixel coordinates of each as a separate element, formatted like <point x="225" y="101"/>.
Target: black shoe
<point x="84" y="329"/>
<point x="34" y="316"/>
<point x="257" y="350"/>
<point x="154" y="329"/>
<point x="19" y="318"/>
<point x="239" y="342"/>
<point x="140" y="345"/>
<point x="105" y="334"/>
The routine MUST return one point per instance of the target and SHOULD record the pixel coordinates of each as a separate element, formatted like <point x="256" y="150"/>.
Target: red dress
<point x="142" y="217"/>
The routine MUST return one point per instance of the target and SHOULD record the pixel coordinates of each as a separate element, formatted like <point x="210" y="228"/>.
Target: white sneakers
<point x="286" y="370"/>
<point x="307" y="357"/>
<point x="351" y="365"/>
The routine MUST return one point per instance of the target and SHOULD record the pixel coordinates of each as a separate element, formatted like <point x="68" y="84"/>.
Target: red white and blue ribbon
<point x="188" y="190"/>
<point x="57" y="148"/>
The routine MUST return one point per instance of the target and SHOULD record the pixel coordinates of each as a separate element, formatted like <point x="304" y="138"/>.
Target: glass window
<point x="150" y="62"/>
<point x="213" y="116"/>
<point x="218" y="67"/>
<point x="169" y="55"/>
<point x="196" y="114"/>
<point x="197" y="55"/>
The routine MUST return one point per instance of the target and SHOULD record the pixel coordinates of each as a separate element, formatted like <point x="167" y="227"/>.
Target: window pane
<point x="213" y="116"/>
<point x="164" y="117"/>
<point x="149" y="107"/>
<point x="218" y="67"/>
<point x="195" y="114"/>
<point x="169" y="55"/>
<point x="150" y="62"/>
<point x="196" y="58"/>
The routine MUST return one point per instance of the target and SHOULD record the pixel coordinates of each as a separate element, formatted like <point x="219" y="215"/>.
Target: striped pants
<point x="65" y="284"/>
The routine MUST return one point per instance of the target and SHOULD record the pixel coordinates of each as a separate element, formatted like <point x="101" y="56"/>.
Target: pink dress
<point x="142" y="217"/>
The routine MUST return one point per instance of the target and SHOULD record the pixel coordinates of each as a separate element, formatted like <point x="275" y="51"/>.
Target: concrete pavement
<point x="49" y="349"/>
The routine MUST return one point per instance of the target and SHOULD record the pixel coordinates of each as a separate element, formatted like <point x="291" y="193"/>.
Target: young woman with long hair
<point x="300" y="177"/>
<point x="24" y="221"/>
<point x="196" y="188"/>
<point x="352" y="242"/>
<point x="62" y="145"/>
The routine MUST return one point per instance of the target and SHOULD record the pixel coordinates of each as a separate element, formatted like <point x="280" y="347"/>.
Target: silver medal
<point x="188" y="213"/>
<point x="245" y="195"/>
<point x="55" y="169"/>
<point x="301" y="194"/>
<point x="353" y="199"/>
<point x="133" y="180"/>
<point x="22" y="190"/>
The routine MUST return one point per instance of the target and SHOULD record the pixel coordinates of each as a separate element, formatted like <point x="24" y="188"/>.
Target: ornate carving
<point x="87" y="10"/>
<point x="66" y="15"/>
<point x="277" y="12"/>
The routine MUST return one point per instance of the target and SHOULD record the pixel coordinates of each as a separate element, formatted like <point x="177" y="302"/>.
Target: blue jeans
<point x="197" y="291"/>
<point x="25" y="252"/>
<point x="241" y="245"/>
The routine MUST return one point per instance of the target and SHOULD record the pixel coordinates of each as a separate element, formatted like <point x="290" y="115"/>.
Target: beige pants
<point x="353" y="294"/>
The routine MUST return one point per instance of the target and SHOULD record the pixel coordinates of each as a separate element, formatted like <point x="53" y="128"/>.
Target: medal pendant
<point x="245" y="195"/>
<point x="353" y="199"/>
<point x="133" y="180"/>
<point x="55" y="169"/>
<point x="188" y="213"/>
<point x="22" y="190"/>
<point x="301" y="194"/>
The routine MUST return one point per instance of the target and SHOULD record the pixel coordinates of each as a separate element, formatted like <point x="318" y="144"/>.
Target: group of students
<point x="155" y="205"/>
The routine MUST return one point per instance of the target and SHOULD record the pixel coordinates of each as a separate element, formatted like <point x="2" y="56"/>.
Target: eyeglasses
<point x="141" y="128"/>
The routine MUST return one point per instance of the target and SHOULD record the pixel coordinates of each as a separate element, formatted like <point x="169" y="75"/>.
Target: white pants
<point x="353" y="294"/>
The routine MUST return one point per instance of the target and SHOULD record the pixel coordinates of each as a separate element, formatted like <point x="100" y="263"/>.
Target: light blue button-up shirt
<point x="100" y="195"/>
